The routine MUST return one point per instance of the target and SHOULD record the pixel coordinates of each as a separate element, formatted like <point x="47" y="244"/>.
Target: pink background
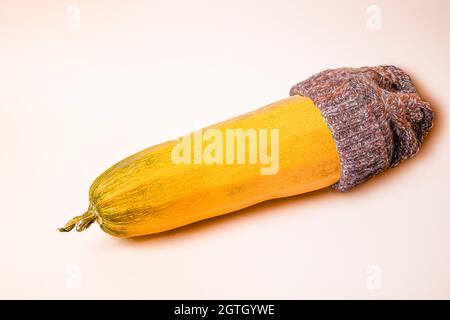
<point x="73" y="101"/>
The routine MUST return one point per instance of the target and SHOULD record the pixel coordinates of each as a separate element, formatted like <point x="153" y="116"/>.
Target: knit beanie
<point x="375" y="115"/>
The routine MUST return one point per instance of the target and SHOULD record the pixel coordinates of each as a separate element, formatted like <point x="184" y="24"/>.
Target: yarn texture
<point x="375" y="114"/>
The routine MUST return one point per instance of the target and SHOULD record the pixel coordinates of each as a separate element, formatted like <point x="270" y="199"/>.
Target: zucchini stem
<point x="80" y="223"/>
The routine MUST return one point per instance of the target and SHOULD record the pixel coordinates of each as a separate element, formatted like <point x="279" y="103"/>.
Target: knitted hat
<point x="376" y="117"/>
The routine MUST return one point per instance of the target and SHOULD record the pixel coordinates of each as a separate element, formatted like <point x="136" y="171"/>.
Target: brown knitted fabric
<point x="375" y="115"/>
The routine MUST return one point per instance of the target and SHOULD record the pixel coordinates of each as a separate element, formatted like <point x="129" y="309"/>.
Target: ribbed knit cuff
<point x="376" y="117"/>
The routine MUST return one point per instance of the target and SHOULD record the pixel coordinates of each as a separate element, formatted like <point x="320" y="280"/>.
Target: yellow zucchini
<point x="280" y="150"/>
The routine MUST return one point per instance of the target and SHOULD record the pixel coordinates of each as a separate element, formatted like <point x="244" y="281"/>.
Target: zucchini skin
<point x="149" y="193"/>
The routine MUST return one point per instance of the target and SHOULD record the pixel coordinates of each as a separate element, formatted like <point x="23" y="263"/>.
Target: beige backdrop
<point x="86" y="83"/>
